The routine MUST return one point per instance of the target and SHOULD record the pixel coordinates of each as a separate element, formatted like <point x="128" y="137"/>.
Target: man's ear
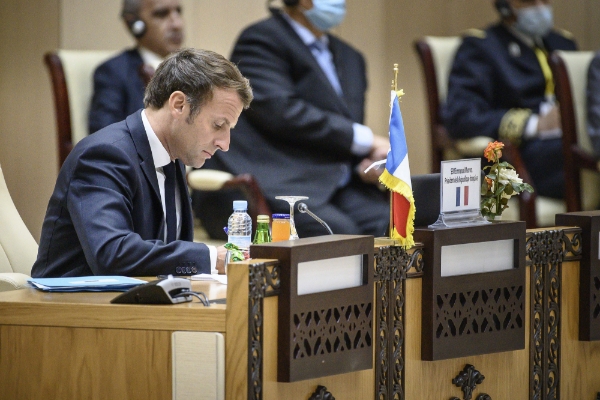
<point x="177" y="103"/>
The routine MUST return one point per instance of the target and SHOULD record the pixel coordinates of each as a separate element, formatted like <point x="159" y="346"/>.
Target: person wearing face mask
<point x="304" y="134"/>
<point x="501" y="86"/>
<point x="119" y="83"/>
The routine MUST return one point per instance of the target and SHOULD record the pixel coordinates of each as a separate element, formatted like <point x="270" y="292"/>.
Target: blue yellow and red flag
<point x="396" y="177"/>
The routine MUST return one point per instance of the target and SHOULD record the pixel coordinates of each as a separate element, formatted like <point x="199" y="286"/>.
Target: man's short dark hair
<point x="196" y="73"/>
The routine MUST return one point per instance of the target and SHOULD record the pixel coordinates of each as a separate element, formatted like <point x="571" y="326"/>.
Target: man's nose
<point x="223" y="143"/>
<point x="176" y="20"/>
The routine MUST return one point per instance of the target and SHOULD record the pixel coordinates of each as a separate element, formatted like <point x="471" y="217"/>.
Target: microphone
<point x="304" y="209"/>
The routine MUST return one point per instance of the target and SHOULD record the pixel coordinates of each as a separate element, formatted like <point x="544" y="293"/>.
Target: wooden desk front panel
<point x="580" y="361"/>
<point x="84" y="363"/>
<point x="506" y="373"/>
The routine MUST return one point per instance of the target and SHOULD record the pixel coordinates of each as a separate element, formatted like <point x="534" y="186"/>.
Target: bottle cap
<point x="262" y="218"/>
<point x="281" y="216"/>
<point x="240" y="205"/>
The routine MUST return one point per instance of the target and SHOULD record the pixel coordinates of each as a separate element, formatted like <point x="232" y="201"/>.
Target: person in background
<point x="501" y="86"/>
<point x="593" y="103"/>
<point x="157" y="26"/>
<point x="121" y="204"/>
<point x="304" y="134"/>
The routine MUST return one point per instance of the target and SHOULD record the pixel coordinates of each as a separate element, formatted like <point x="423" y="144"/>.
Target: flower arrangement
<point x="500" y="184"/>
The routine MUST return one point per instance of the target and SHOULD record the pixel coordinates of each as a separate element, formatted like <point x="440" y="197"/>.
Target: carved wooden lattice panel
<point x="332" y="330"/>
<point x="479" y="311"/>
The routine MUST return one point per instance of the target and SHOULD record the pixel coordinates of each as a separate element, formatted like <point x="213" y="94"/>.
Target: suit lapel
<point x="140" y="139"/>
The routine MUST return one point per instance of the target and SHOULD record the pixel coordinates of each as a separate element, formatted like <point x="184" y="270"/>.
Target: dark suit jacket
<point x="296" y="136"/>
<point x="492" y="75"/>
<point x="118" y="90"/>
<point x="105" y="216"/>
<point x="593" y="103"/>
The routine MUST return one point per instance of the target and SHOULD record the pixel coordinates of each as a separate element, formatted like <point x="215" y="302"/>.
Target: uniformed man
<point x="501" y="86"/>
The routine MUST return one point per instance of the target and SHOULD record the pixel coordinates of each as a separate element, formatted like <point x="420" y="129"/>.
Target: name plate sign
<point x="461" y="185"/>
<point x="460" y="193"/>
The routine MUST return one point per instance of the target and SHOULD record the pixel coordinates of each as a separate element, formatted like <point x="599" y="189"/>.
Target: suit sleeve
<point x="593" y="103"/>
<point x="108" y="101"/>
<point x="101" y="198"/>
<point x="469" y="109"/>
<point x="286" y="101"/>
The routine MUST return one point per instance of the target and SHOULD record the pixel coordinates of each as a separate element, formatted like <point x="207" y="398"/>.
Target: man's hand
<point x="378" y="152"/>
<point x="221" y="253"/>
<point x="379" y="149"/>
<point x="550" y="120"/>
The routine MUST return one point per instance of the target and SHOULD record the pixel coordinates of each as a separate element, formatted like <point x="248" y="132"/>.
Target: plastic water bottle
<point x="239" y="225"/>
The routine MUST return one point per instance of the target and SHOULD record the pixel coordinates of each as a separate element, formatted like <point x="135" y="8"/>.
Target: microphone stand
<point x="303" y="208"/>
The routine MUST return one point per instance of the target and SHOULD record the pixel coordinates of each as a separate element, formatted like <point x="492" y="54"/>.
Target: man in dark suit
<point x="501" y="86"/>
<point x="119" y="83"/>
<point x="304" y="134"/>
<point x="593" y="103"/>
<point x="116" y="209"/>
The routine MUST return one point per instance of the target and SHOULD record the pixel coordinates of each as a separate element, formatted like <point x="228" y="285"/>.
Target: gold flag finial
<point x="400" y="92"/>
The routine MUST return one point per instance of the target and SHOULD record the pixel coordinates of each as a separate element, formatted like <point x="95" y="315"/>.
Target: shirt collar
<point x="149" y="57"/>
<point x="159" y="153"/>
<point x="305" y="34"/>
<point x="528" y="40"/>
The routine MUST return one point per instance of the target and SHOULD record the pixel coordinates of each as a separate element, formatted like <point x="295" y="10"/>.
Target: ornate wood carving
<point x="321" y="393"/>
<point x="476" y="314"/>
<point x="467" y="380"/>
<point x="263" y="281"/>
<point x="392" y="265"/>
<point x="546" y="251"/>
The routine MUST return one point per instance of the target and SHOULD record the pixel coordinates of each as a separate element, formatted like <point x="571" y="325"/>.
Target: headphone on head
<point x="504" y="8"/>
<point x="137" y="27"/>
<point x="291" y="2"/>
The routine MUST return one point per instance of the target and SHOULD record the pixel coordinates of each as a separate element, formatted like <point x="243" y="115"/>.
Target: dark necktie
<point x="171" y="217"/>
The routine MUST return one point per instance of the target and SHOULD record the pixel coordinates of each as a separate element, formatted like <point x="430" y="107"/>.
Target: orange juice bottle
<point x="280" y="227"/>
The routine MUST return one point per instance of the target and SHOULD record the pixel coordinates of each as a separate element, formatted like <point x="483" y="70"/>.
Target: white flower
<point x="507" y="175"/>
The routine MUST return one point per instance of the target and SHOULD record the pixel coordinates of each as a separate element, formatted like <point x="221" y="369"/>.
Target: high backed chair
<point x="71" y="73"/>
<point x="18" y="249"/>
<point x="582" y="179"/>
<point x="436" y="55"/>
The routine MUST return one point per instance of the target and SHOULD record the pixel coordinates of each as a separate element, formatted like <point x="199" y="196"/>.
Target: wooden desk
<point x="80" y="346"/>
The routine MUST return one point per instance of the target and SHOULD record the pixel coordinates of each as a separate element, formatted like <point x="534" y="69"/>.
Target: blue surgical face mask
<point x="326" y="14"/>
<point x="535" y="21"/>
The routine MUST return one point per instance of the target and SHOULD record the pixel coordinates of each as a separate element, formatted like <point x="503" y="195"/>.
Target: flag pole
<point x="395" y="89"/>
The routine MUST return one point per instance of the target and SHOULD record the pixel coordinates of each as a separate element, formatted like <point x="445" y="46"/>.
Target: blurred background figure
<point x="501" y="86"/>
<point x="119" y="83"/>
<point x="593" y="103"/>
<point x="304" y="134"/>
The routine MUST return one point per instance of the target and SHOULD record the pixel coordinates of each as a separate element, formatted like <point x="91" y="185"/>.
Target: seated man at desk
<point x="121" y="205"/>
<point x="501" y="86"/>
<point x="119" y="83"/>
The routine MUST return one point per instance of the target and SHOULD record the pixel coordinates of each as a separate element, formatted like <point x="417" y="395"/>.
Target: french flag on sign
<point x="462" y="196"/>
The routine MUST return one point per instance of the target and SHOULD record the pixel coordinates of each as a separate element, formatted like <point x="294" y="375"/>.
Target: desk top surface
<point x="94" y="310"/>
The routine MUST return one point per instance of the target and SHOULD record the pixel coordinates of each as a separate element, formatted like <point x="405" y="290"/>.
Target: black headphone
<point x="137" y="27"/>
<point x="291" y="2"/>
<point x="504" y="8"/>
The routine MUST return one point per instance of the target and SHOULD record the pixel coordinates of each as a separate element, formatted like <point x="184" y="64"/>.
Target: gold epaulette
<point x="512" y="125"/>
<point x="478" y="33"/>
<point x="565" y="33"/>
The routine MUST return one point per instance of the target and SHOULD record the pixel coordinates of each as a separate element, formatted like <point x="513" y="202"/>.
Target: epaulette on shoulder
<point x="564" y="33"/>
<point x="478" y="33"/>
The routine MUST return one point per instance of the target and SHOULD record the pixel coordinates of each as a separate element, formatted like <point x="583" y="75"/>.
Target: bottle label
<point x="243" y="242"/>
